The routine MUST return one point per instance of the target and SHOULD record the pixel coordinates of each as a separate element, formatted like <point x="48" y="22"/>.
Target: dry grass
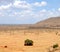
<point x="14" y="40"/>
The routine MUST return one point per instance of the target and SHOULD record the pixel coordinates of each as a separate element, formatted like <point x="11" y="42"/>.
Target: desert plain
<point x="43" y="39"/>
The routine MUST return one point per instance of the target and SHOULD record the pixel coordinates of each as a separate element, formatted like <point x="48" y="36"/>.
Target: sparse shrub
<point x="56" y="33"/>
<point x="55" y="46"/>
<point x="5" y="46"/>
<point x="28" y="42"/>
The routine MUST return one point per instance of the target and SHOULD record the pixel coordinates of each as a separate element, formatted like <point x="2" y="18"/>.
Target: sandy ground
<point x="43" y="39"/>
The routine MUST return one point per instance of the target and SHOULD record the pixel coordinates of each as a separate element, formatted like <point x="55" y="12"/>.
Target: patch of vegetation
<point x="28" y="42"/>
<point x="55" y="46"/>
<point x="5" y="46"/>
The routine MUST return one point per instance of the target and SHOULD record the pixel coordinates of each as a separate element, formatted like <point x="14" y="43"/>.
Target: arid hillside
<point x="51" y="22"/>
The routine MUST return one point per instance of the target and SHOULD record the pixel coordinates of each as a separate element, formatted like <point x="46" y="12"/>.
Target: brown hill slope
<point x="53" y="22"/>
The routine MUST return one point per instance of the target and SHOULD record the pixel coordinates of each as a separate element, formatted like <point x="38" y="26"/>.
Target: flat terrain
<point x="43" y="39"/>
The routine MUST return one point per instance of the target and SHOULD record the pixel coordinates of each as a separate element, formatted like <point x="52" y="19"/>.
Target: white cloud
<point x="21" y="4"/>
<point x="43" y="10"/>
<point x="58" y="9"/>
<point x="23" y="13"/>
<point x="2" y="7"/>
<point x="27" y="13"/>
<point x="43" y="3"/>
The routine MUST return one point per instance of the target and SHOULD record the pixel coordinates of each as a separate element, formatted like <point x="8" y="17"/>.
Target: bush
<point x="5" y="46"/>
<point x="55" y="46"/>
<point x="28" y="42"/>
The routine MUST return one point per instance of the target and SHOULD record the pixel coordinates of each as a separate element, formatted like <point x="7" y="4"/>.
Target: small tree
<point x="55" y="46"/>
<point x="28" y="42"/>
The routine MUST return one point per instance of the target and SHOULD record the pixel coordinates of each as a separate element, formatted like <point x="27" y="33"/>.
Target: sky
<point x="27" y="11"/>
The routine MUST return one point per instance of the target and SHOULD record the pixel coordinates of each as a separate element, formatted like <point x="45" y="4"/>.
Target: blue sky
<point x="27" y="11"/>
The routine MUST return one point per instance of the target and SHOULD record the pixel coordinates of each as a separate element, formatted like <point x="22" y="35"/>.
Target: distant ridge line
<point x="50" y="23"/>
